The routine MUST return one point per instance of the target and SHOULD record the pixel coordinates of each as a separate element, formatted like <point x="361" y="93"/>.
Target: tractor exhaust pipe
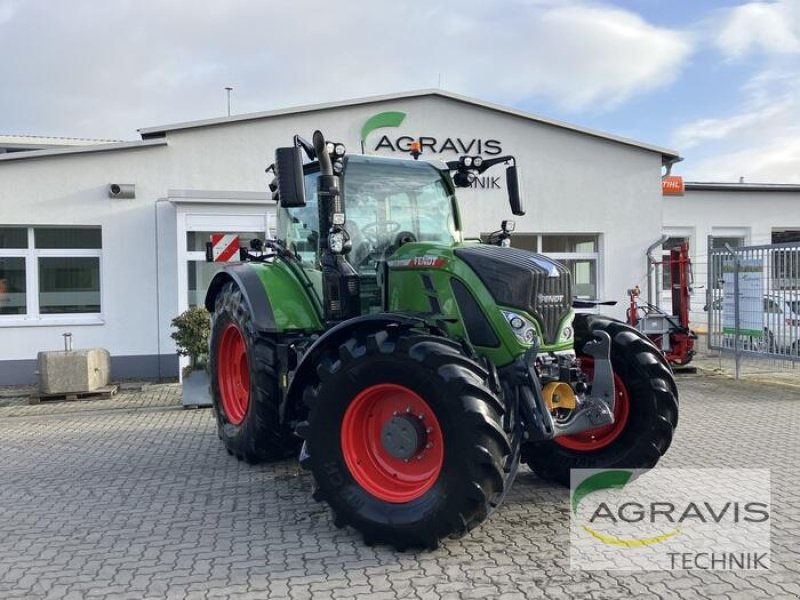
<point x="321" y="149"/>
<point x="340" y="283"/>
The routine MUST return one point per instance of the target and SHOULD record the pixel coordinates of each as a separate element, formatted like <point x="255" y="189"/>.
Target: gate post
<point x="737" y="341"/>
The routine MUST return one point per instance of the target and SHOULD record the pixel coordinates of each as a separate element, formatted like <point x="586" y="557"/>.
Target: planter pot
<point x="196" y="390"/>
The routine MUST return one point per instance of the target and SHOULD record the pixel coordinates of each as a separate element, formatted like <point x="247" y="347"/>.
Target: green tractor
<point x="412" y="370"/>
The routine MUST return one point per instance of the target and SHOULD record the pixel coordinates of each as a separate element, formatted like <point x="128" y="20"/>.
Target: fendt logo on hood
<point x="431" y="144"/>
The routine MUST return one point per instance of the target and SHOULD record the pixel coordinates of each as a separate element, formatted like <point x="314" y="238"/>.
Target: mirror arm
<point x="303" y="143"/>
<point x="488" y="163"/>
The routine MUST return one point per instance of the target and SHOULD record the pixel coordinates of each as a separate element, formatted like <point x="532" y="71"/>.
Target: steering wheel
<point x="370" y="231"/>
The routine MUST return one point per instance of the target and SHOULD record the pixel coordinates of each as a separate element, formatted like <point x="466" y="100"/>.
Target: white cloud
<point x="771" y="102"/>
<point x="98" y="68"/>
<point x="773" y="161"/>
<point x="772" y="27"/>
<point x="760" y="138"/>
<point x="760" y="142"/>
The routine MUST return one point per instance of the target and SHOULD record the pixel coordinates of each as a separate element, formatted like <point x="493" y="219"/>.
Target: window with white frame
<point x="579" y="252"/>
<point x="46" y="272"/>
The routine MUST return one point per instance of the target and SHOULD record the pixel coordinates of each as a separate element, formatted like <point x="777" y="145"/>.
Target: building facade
<point x="737" y="214"/>
<point x="113" y="269"/>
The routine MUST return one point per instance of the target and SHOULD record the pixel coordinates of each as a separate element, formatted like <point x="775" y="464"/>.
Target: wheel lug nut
<point x="429" y="445"/>
<point x="408" y="410"/>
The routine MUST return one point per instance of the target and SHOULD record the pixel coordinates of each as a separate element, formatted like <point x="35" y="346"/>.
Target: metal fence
<point x="753" y="300"/>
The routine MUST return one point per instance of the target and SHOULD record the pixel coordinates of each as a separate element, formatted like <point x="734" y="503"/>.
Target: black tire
<point x="653" y="412"/>
<point x="260" y="435"/>
<point x="455" y="387"/>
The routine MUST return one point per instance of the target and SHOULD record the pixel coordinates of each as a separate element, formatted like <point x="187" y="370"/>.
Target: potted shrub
<point x="191" y="338"/>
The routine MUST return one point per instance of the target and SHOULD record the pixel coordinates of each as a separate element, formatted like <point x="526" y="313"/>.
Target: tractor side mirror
<point x="512" y="184"/>
<point x="289" y="175"/>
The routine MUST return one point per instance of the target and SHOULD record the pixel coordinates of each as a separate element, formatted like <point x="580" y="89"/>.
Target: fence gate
<point x="753" y="300"/>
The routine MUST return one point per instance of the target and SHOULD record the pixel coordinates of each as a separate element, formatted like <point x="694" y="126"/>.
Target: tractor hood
<point x="520" y="279"/>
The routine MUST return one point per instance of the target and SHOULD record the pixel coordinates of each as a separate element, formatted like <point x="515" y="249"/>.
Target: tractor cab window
<point x="391" y="202"/>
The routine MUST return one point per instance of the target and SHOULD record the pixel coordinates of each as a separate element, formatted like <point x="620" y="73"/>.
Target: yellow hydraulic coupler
<point x="558" y="394"/>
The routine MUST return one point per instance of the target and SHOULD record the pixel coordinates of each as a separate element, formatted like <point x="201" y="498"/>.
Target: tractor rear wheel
<point x="244" y="384"/>
<point x="645" y="410"/>
<point x="404" y="438"/>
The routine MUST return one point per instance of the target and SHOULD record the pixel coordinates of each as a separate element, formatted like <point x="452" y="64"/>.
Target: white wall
<point x="701" y="213"/>
<point x="574" y="183"/>
<point x="71" y="190"/>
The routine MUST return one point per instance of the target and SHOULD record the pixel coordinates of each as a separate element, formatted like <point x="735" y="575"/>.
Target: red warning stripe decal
<point x="224" y="247"/>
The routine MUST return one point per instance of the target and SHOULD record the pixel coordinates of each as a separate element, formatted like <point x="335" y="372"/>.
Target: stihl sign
<point x="224" y="247"/>
<point x="672" y="186"/>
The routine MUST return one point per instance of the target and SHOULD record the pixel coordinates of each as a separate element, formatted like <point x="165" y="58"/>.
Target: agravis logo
<point x="431" y="145"/>
<point x="384" y="119"/>
<point x="611" y="480"/>
<point x="670" y="519"/>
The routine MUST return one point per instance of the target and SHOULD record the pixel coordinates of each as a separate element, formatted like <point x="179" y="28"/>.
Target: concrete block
<point x="74" y="371"/>
<point x="195" y="390"/>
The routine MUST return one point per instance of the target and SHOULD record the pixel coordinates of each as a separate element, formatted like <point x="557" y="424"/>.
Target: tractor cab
<point x="388" y="203"/>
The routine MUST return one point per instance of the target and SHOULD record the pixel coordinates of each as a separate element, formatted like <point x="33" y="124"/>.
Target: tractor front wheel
<point x="404" y="438"/>
<point x="244" y="383"/>
<point x="645" y="409"/>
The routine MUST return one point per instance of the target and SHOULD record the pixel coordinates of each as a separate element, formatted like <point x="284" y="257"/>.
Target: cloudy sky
<point x="718" y="81"/>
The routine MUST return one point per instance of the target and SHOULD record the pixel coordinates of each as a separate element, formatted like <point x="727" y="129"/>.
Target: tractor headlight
<point x="523" y="329"/>
<point x="477" y="162"/>
<point x="566" y="334"/>
<point x="339" y="149"/>
<point x="467" y="161"/>
<point x="336" y="242"/>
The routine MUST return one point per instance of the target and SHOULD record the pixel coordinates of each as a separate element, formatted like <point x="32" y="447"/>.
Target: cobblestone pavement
<point x="135" y="498"/>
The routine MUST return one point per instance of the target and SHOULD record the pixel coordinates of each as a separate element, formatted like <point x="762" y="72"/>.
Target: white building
<point x="114" y="271"/>
<point x="738" y="214"/>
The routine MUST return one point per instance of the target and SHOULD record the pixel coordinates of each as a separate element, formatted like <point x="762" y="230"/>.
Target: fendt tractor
<point x="412" y="370"/>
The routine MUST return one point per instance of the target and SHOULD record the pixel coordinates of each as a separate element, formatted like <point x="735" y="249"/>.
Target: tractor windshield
<point x="389" y="202"/>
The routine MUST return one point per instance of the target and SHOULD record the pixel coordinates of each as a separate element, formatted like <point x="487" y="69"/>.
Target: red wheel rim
<point x="602" y="436"/>
<point x="378" y="471"/>
<point x="233" y="373"/>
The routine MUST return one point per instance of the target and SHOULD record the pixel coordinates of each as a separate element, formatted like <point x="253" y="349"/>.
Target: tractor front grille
<point x="525" y="280"/>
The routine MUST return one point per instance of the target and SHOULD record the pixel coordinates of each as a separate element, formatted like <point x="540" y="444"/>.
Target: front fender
<point x="335" y="337"/>
<point x="253" y="292"/>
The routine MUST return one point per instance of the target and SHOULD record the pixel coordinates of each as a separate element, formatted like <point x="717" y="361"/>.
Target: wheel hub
<point x="392" y="442"/>
<point x="403" y="436"/>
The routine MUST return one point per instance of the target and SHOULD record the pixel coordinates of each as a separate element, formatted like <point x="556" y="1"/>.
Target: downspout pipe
<point x="650" y="268"/>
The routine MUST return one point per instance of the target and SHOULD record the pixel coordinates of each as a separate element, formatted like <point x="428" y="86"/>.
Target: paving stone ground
<point x="135" y="498"/>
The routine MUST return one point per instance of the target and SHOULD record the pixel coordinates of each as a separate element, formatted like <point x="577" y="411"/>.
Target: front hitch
<point x="594" y="410"/>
